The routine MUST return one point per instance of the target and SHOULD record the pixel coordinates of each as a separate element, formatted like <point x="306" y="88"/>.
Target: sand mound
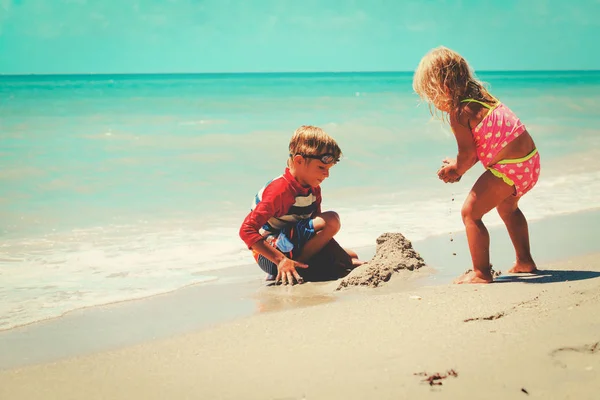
<point x="394" y="253"/>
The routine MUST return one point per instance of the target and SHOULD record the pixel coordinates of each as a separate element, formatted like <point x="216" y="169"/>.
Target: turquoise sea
<point x="115" y="187"/>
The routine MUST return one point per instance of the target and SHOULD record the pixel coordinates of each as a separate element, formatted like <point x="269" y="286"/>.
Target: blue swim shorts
<point x="297" y="235"/>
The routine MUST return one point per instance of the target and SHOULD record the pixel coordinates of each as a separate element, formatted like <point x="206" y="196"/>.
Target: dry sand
<point x="531" y="336"/>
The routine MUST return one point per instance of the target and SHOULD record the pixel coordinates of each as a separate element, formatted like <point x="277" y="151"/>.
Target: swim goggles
<point x="326" y="158"/>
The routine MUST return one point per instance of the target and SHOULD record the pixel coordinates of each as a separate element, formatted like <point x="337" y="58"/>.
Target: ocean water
<point x="116" y="187"/>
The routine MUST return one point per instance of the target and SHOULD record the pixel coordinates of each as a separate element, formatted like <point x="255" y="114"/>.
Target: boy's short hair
<point x="312" y="140"/>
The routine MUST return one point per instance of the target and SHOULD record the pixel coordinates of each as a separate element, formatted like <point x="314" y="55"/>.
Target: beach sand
<point x="529" y="336"/>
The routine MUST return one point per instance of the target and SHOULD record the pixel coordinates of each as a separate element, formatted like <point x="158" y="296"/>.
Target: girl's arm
<point x="467" y="152"/>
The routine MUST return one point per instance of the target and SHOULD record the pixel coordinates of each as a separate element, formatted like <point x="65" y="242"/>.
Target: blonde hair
<point x="312" y="140"/>
<point x="444" y="78"/>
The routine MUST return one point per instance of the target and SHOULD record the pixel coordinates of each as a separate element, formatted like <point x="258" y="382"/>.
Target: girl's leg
<point x="487" y="193"/>
<point x="516" y="224"/>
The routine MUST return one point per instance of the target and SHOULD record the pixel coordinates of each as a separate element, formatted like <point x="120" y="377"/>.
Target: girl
<point x="488" y="131"/>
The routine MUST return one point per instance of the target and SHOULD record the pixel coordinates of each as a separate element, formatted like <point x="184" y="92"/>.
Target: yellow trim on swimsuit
<point x="476" y="101"/>
<point x="490" y="108"/>
<point x="501" y="175"/>
<point x="518" y="160"/>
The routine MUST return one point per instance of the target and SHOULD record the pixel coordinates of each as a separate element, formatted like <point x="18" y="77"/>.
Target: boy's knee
<point x="332" y="222"/>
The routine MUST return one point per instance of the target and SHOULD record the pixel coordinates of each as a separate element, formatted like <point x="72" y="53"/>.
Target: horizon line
<point x="273" y="72"/>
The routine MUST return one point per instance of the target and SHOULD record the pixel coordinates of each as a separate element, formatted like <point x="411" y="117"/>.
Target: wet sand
<point x="526" y="333"/>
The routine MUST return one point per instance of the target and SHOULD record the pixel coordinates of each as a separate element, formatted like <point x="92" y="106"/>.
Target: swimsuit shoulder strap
<point x="476" y="101"/>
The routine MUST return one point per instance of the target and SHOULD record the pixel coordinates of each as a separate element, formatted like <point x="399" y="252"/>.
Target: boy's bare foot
<point x="357" y="263"/>
<point x="523" y="267"/>
<point x="270" y="278"/>
<point x="471" y="277"/>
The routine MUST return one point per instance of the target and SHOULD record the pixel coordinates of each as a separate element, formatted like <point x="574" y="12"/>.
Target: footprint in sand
<point x="581" y="358"/>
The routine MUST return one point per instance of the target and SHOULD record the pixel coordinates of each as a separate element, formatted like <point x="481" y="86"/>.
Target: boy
<point x="286" y="229"/>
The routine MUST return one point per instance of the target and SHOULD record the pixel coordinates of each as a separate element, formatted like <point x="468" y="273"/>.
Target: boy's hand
<point x="286" y="271"/>
<point x="448" y="172"/>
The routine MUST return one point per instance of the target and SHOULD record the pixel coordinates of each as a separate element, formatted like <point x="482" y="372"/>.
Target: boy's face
<point x="310" y="172"/>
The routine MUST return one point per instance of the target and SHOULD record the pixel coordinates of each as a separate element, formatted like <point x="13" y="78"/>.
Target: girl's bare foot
<point x="523" y="267"/>
<point x="472" y="277"/>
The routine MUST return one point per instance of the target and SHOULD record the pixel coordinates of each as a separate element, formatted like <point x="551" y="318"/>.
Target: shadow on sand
<point x="549" y="276"/>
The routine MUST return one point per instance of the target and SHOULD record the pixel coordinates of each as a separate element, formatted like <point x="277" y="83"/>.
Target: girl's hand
<point x="448" y="172"/>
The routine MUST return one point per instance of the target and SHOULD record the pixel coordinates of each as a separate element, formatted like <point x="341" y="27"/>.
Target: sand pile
<point x="394" y="253"/>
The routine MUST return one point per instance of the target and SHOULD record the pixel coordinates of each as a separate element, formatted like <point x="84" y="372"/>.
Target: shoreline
<point x="533" y="334"/>
<point x="192" y="308"/>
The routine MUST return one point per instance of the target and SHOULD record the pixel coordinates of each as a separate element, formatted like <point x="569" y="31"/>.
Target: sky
<point x="164" y="36"/>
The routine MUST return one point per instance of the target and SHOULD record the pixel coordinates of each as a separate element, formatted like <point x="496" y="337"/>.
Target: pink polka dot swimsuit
<point x="495" y="131"/>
